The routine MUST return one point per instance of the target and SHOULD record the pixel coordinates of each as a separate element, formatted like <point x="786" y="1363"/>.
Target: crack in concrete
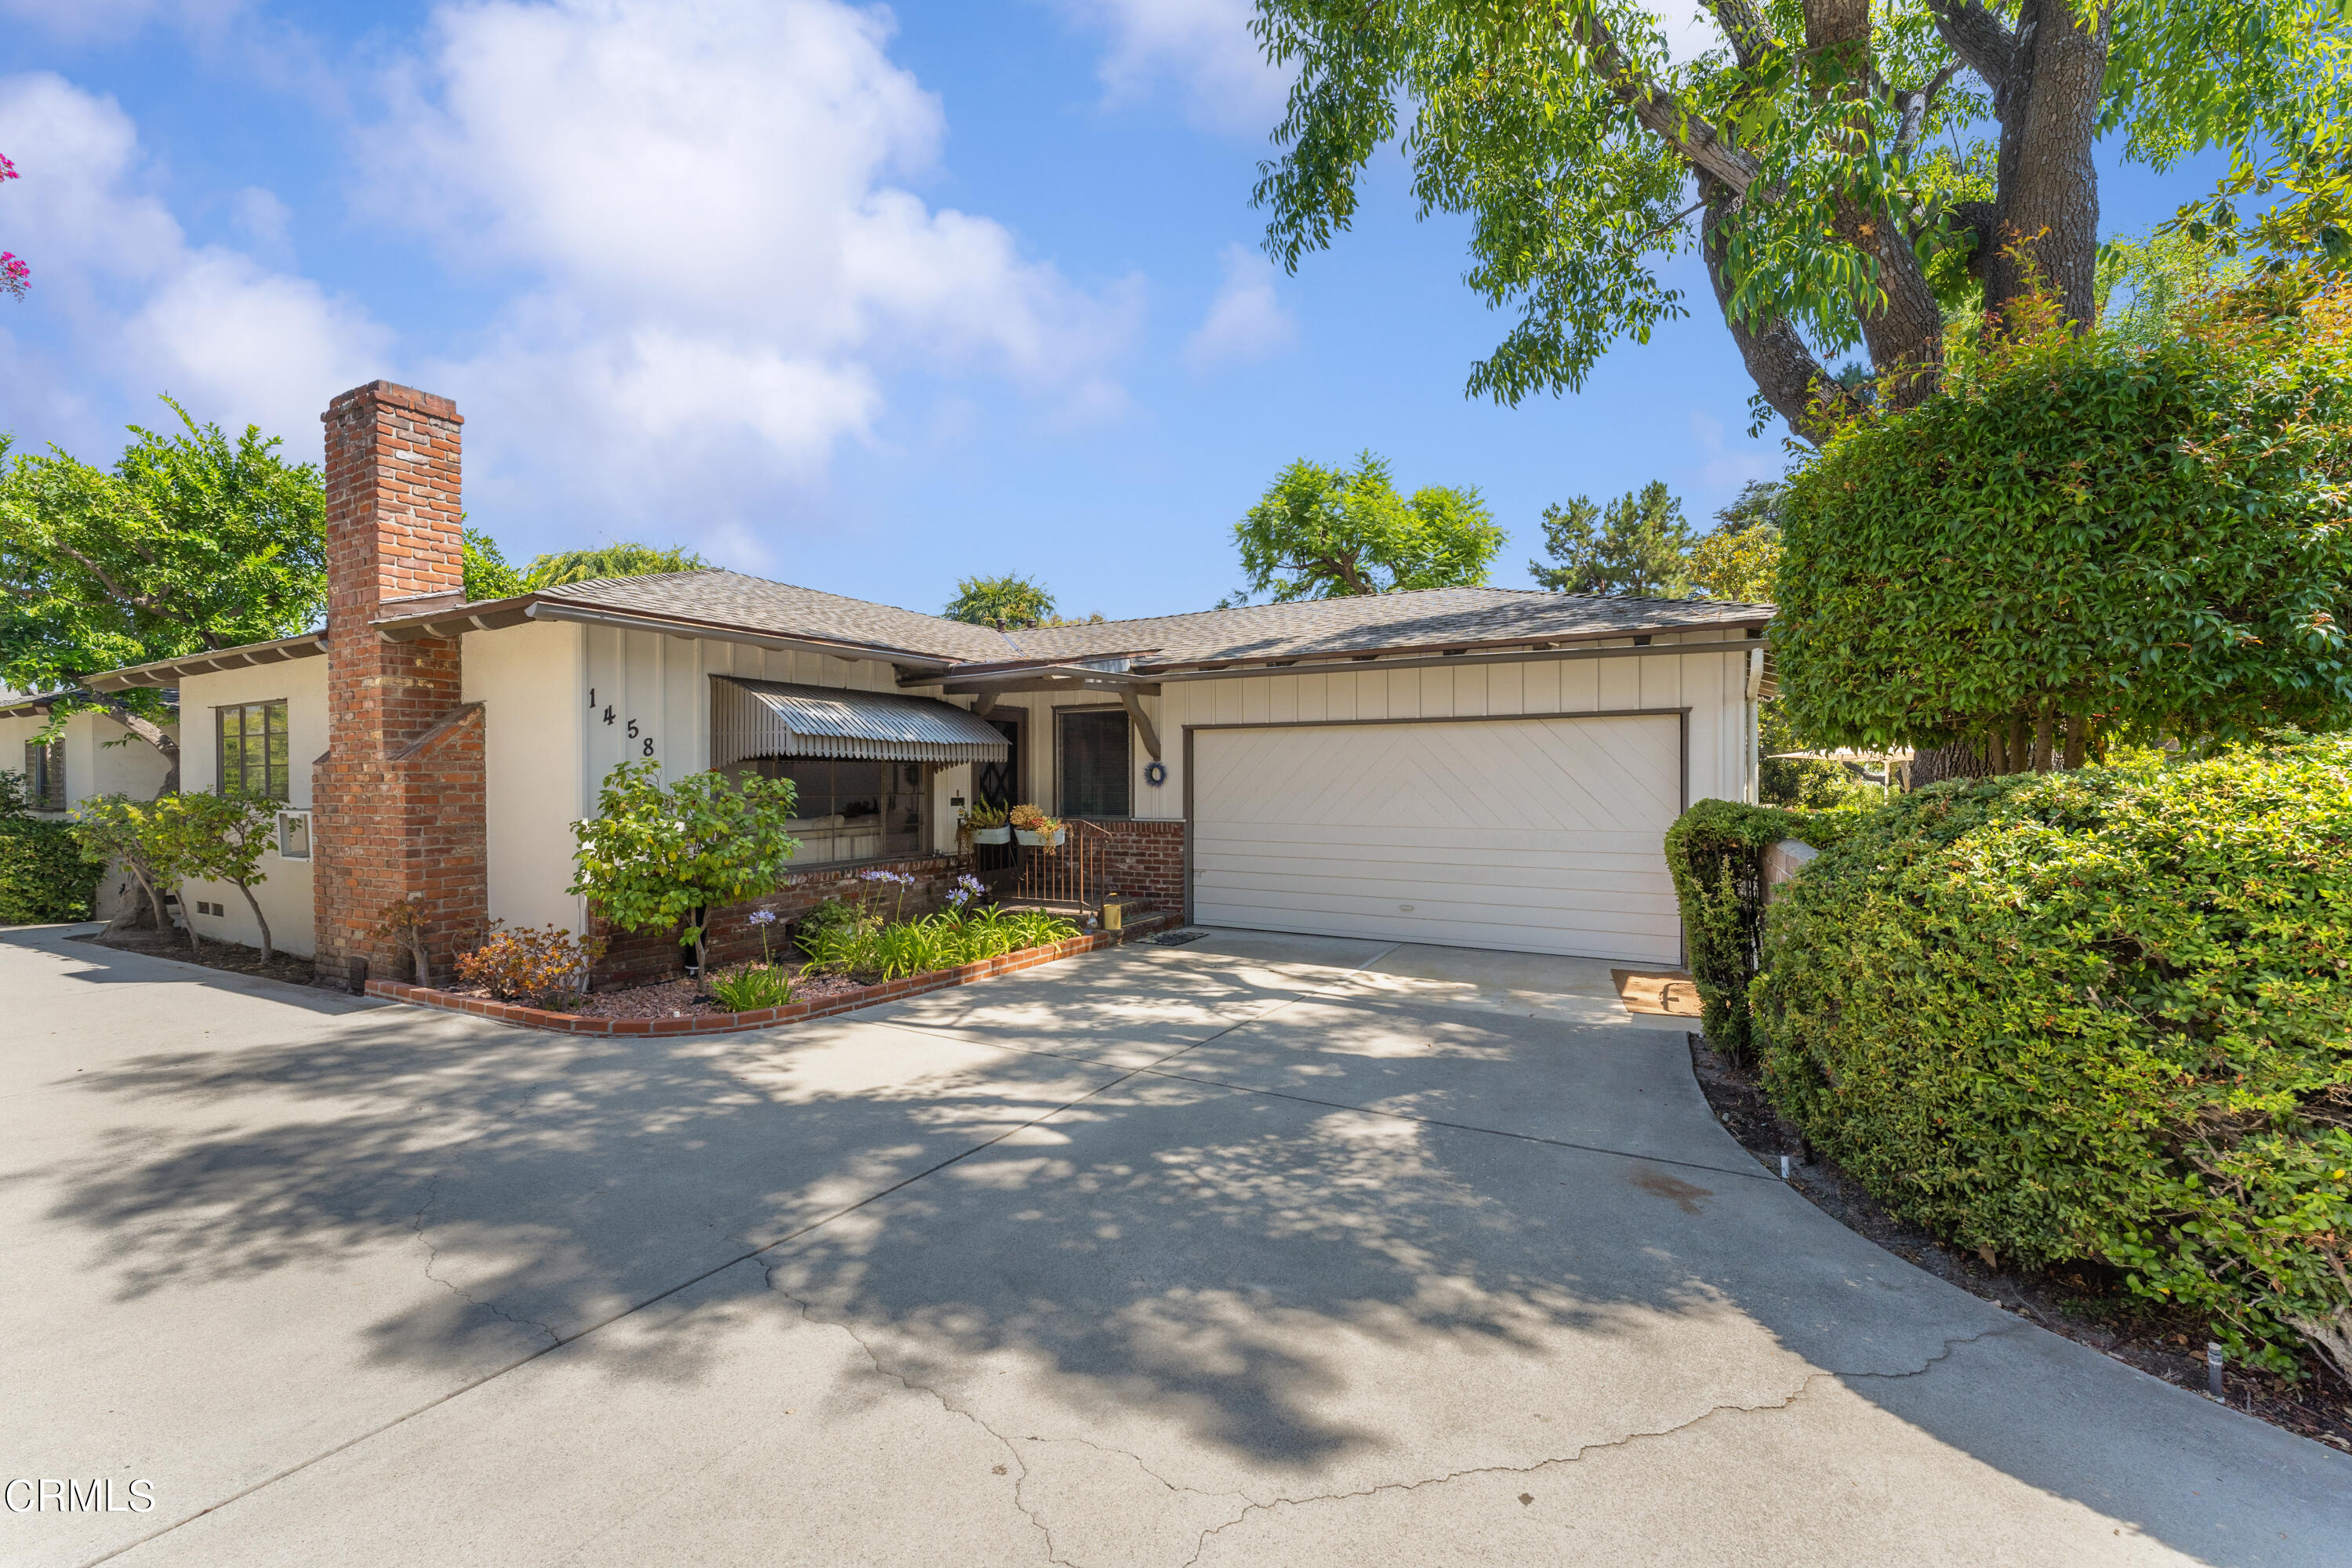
<point x="809" y="1314"/>
<point x="433" y="1256"/>
<point x="1794" y="1395"/>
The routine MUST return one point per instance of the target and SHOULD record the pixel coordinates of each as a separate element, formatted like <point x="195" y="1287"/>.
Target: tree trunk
<point x="2042" y="728"/>
<point x="2045" y="218"/>
<point x="1960" y="760"/>
<point x="148" y="731"/>
<point x="1904" y="328"/>
<point x="2076" y="724"/>
<point x="259" y="919"/>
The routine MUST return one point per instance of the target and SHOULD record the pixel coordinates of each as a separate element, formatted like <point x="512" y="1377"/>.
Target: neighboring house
<point x="87" y="758"/>
<point x="1474" y="766"/>
<point x="91" y="755"/>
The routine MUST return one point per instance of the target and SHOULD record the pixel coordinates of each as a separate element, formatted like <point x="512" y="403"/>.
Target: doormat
<point x="1667" y="992"/>
<point x="1177" y="938"/>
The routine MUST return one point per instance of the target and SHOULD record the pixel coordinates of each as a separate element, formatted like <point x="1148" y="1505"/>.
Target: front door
<point x="999" y="782"/>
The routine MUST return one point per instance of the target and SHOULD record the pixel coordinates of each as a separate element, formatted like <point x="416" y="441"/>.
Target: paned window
<point x="1095" y="771"/>
<point x="45" y="775"/>
<point x="852" y="811"/>
<point x="253" y="759"/>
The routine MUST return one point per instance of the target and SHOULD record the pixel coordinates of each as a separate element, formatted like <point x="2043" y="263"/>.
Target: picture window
<point x="255" y="759"/>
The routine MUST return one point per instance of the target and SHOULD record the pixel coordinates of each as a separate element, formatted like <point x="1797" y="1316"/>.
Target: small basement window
<point x="45" y="775"/>
<point x="254" y="757"/>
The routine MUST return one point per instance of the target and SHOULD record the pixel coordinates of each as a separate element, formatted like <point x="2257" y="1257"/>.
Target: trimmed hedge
<point x="1715" y="852"/>
<point x="44" y="876"/>
<point x="2101" y="1015"/>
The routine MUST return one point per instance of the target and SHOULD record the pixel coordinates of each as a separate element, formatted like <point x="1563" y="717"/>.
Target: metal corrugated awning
<point x="771" y="719"/>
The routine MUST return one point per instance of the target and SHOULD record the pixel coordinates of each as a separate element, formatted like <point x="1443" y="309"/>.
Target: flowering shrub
<point x="14" y="273"/>
<point x="544" y="966"/>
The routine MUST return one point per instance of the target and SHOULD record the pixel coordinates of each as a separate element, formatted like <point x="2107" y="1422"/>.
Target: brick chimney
<point x="397" y="799"/>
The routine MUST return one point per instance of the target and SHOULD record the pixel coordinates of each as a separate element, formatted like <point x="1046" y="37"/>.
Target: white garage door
<point x="1531" y="834"/>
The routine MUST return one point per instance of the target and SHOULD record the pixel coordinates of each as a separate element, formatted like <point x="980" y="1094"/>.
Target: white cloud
<point x="722" y="260"/>
<point x="1201" y="48"/>
<point x="138" y="305"/>
<point x="1245" y="320"/>
<point x="1723" y="468"/>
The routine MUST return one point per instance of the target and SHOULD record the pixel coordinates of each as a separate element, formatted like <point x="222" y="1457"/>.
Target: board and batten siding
<point x="546" y="688"/>
<point x="1712" y="686"/>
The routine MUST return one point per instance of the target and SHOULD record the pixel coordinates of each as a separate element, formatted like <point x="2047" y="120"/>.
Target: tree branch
<point x="1743" y="24"/>
<point x="1916" y="104"/>
<point x="1984" y="43"/>
<point x="137" y="601"/>
<point x="1777" y="361"/>
<point x="1656" y="109"/>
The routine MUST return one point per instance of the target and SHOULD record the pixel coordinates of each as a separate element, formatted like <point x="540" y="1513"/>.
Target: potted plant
<point x="1032" y="826"/>
<point x="987" y="824"/>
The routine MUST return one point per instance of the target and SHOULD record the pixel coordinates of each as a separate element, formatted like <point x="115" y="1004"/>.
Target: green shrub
<point x="943" y="941"/>
<point x="2099" y="1015"/>
<point x="752" y="987"/>
<point x="1715" y="853"/>
<point x="664" y="856"/>
<point x="45" y="877"/>
<point x="2128" y="540"/>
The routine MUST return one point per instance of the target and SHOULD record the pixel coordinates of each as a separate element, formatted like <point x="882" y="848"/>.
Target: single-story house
<point x="1473" y="766"/>
<point x="90" y="754"/>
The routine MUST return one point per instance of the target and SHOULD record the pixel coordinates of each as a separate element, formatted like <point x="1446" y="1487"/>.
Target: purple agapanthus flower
<point x="763" y="917"/>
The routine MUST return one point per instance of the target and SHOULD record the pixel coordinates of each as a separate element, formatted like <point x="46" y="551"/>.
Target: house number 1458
<point x="644" y="740"/>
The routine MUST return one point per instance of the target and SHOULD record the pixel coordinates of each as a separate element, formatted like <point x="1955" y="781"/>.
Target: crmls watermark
<point x="95" y="1496"/>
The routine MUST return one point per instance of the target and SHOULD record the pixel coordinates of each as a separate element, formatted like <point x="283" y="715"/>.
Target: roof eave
<point x="493" y="614"/>
<point x="171" y="671"/>
<point x="1535" y="641"/>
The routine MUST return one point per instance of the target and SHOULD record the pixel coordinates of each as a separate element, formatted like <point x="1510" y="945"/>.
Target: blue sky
<point x="863" y="300"/>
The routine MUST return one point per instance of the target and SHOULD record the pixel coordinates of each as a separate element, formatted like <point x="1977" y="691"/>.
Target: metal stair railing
<point x="1074" y="871"/>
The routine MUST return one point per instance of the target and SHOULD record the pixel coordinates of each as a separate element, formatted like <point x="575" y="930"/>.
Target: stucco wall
<point x="528" y="681"/>
<point x="93" y="766"/>
<point x="285" y="894"/>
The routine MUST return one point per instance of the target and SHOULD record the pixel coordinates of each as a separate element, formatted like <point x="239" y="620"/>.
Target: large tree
<point x="1637" y="545"/>
<point x="191" y="542"/>
<point x="1855" y="171"/>
<point x="1324" y="534"/>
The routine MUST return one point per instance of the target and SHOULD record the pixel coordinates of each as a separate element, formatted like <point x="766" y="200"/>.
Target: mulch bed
<point x="682" y="997"/>
<point x="2088" y="1303"/>
<point x="230" y="956"/>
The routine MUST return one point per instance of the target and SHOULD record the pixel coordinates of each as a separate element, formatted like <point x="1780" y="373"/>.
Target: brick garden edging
<point x="763" y="1017"/>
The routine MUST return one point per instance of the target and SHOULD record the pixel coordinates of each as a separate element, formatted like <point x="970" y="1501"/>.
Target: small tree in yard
<point x="220" y="837"/>
<point x="116" y="827"/>
<point x="661" y="857"/>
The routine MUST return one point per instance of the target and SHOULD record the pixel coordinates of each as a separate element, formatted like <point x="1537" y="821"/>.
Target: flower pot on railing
<point x="1047" y="839"/>
<point x="994" y="836"/>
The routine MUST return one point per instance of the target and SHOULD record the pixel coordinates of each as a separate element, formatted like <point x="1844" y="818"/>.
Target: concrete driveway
<point x="1260" y="1250"/>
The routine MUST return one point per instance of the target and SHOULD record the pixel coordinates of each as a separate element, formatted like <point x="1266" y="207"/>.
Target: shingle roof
<point x="1431" y="616"/>
<point x="755" y="603"/>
